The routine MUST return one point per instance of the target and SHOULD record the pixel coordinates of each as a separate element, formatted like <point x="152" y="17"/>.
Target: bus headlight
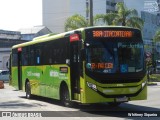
<point x="92" y="86"/>
<point x="143" y="84"/>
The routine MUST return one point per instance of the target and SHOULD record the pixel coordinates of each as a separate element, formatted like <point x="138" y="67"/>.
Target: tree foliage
<point x="76" y="21"/>
<point x="157" y="36"/>
<point x="105" y="18"/>
<point x="123" y="17"/>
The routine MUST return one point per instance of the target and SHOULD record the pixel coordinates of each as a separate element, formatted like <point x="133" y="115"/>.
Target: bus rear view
<point x="114" y="67"/>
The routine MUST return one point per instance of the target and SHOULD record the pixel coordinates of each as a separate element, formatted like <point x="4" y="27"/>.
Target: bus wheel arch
<point x="28" y="89"/>
<point x="64" y="95"/>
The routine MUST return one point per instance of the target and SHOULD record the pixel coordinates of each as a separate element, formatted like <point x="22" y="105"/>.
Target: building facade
<point x="10" y="38"/>
<point x="149" y="11"/>
<point x="30" y="33"/>
<point x="55" y="12"/>
<point x="7" y="40"/>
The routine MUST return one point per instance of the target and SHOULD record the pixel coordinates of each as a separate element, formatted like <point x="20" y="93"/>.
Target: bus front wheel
<point x="28" y="90"/>
<point x="65" y="98"/>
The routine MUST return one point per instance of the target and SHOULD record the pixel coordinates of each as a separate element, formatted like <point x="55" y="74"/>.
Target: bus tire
<point x="28" y="90"/>
<point x="65" y="98"/>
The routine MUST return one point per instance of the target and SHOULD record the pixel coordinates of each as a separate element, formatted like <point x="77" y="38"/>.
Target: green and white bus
<point x="87" y="65"/>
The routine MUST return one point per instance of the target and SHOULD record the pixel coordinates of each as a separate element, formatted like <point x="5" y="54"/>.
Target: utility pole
<point x="91" y="12"/>
<point x="87" y="10"/>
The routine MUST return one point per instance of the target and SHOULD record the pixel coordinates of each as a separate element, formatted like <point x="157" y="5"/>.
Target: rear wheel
<point x="65" y="98"/>
<point x="28" y="90"/>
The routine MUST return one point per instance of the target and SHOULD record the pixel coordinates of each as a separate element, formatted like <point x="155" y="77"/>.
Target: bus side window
<point x="32" y="56"/>
<point x="38" y="56"/>
<point x="25" y="56"/>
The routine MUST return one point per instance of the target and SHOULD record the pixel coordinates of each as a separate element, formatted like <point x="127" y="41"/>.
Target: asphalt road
<point x="15" y="103"/>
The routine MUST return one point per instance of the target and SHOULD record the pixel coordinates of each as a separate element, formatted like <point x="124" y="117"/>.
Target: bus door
<point x="19" y="68"/>
<point x="75" y="67"/>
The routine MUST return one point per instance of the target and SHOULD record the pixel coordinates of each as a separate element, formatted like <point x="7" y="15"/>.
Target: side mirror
<point x="68" y="62"/>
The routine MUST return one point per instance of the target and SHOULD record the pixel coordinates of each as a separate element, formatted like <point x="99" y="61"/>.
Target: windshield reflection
<point x="114" y="57"/>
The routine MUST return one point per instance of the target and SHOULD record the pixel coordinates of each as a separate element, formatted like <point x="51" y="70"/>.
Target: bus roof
<point x="52" y="36"/>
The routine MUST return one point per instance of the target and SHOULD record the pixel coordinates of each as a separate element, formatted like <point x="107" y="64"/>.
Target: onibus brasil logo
<point x="151" y="6"/>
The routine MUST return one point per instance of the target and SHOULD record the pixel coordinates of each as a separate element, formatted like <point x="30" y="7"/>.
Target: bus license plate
<point x="123" y="99"/>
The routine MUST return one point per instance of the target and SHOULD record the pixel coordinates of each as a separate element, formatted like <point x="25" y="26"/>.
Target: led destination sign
<point x="112" y="33"/>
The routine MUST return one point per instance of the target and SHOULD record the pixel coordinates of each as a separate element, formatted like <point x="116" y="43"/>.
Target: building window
<point x="113" y="4"/>
<point x="143" y="16"/>
<point x="110" y="11"/>
<point x="107" y="10"/>
<point x="108" y="2"/>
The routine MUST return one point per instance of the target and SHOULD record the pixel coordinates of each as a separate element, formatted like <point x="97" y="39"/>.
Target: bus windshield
<point x="114" y="57"/>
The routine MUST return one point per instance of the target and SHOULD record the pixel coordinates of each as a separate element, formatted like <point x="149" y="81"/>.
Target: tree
<point x="124" y="17"/>
<point x="156" y="37"/>
<point x="105" y="18"/>
<point x="76" y="21"/>
<point x="128" y="17"/>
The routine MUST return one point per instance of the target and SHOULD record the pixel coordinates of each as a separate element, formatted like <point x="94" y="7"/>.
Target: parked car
<point x="4" y="75"/>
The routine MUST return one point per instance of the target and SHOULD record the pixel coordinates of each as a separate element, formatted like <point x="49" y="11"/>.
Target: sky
<point x="17" y="14"/>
